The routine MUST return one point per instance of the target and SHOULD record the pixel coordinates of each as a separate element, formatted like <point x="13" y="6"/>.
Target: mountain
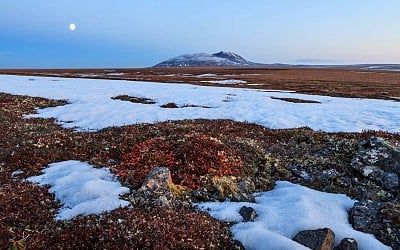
<point x="221" y="58"/>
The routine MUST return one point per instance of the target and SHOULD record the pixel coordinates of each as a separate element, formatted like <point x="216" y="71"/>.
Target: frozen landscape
<point x="92" y="106"/>
<point x="262" y="125"/>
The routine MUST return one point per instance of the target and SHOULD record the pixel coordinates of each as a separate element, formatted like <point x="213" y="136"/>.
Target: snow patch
<point x="206" y="75"/>
<point x="16" y="173"/>
<point x="231" y="81"/>
<point x="287" y="210"/>
<point x="81" y="188"/>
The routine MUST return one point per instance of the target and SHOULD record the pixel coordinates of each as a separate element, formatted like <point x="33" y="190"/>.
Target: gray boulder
<point x="320" y="239"/>
<point x="248" y="213"/>
<point x="155" y="191"/>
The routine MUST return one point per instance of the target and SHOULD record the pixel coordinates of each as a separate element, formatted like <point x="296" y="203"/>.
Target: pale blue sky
<point x="128" y="33"/>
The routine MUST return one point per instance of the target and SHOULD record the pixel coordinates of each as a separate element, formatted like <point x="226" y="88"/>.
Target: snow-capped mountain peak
<point x="221" y="58"/>
<point x="231" y="56"/>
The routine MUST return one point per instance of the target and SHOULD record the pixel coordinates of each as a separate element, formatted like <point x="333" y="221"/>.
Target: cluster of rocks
<point x="381" y="219"/>
<point x="371" y="176"/>
<point x="324" y="239"/>
<point x="378" y="161"/>
<point x="320" y="239"/>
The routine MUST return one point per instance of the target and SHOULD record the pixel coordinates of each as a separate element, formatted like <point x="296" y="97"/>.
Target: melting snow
<point x="230" y="81"/>
<point x="82" y="189"/>
<point x="206" y="75"/>
<point x="91" y="106"/>
<point x="287" y="210"/>
<point x="16" y="173"/>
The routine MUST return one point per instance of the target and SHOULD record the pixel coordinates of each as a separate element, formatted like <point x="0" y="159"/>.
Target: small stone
<point x="347" y="244"/>
<point x="248" y="213"/>
<point x="170" y="105"/>
<point x="320" y="239"/>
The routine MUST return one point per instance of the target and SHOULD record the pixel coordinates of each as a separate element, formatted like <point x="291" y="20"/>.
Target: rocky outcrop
<point x="157" y="191"/>
<point x="320" y="239"/>
<point x="379" y="160"/>
<point x="379" y="218"/>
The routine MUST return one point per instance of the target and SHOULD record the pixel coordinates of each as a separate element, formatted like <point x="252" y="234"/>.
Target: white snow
<point x="229" y="81"/>
<point x="116" y="74"/>
<point x="81" y="188"/>
<point x="206" y="75"/>
<point x="198" y="57"/>
<point x="91" y="106"/>
<point x="287" y="210"/>
<point x="16" y="173"/>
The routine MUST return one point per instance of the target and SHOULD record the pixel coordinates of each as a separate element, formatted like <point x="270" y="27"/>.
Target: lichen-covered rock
<point x="320" y="239"/>
<point x="379" y="160"/>
<point x="158" y="178"/>
<point x="378" y="218"/>
<point x="155" y="191"/>
<point x="220" y="188"/>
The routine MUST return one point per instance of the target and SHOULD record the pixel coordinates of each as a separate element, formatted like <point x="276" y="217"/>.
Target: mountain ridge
<point x="222" y="58"/>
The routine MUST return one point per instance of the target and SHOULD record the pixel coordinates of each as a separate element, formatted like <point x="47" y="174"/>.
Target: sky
<point x="129" y="33"/>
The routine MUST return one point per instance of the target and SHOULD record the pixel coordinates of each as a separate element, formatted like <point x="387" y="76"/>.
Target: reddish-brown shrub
<point x="188" y="159"/>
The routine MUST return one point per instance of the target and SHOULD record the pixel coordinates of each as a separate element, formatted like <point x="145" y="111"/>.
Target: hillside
<point x="221" y="58"/>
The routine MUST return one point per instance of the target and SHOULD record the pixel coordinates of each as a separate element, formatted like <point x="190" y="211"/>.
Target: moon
<point x="72" y="27"/>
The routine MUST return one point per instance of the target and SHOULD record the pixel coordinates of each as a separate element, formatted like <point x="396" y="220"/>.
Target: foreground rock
<point x="379" y="218"/>
<point x="320" y="239"/>
<point x="156" y="191"/>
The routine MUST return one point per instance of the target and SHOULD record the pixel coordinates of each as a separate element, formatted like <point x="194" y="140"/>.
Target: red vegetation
<point x="189" y="158"/>
<point x="141" y="229"/>
<point x="142" y="158"/>
<point x="200" y="155"/>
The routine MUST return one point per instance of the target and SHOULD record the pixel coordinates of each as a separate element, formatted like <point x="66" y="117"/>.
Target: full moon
<point x="72" y="27"/>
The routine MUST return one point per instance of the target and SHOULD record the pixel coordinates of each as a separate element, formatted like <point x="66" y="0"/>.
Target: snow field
<point x="91" y="107"/>
<point x="283" y="212"/>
